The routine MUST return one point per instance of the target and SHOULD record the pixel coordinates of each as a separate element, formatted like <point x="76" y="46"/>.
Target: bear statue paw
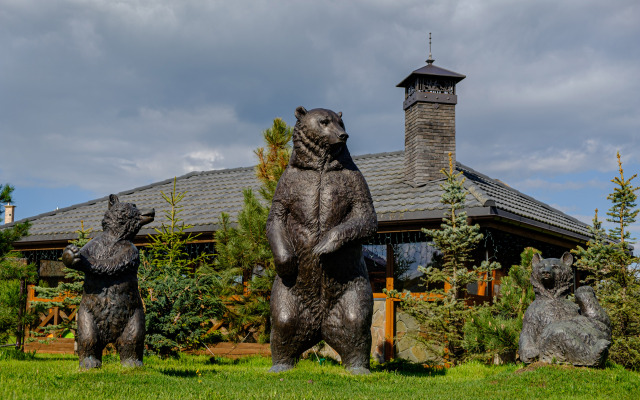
<point x="280" y="368"/>
<point x="585" y="292"/>
<point x="90" y="362"/>
<point x="132" y="363"/>
<point x="70" y="255"/>
<point x="359" y="370"/>
<point x="324" y="247"/>
<point x="601" y="350"/>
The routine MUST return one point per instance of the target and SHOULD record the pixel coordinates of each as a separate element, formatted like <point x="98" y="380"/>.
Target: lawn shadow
<point x="220" y="360"/>
<point x="18" y="355"/>
<point x="408" y="368"/>
<point x="179" y="372"/>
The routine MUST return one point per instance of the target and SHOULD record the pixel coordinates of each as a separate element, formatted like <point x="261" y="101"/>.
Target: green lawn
<point x="191" y="377"/>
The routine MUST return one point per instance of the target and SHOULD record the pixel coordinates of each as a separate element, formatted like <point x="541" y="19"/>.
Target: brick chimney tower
<point x="429" y="121"/>
<point x="8" y="213"/>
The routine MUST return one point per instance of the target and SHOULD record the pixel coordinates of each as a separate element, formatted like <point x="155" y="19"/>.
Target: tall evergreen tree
<point x="15" y="274"/>
<point x="614" y="271"/>
<point x="441" y="313"/>
<point x="273" y="161"/>
<point x="244" y="257"/>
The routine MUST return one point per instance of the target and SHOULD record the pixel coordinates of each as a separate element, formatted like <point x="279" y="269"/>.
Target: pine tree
<point x="244" y="251"/>
<point x="442" y="313"/>
<point x="66" y="295"/>
<point x="15" y="274"/>
<point x="180" y="298"/>
<point x="272" y="164"/>
<point x="614" y="271"/>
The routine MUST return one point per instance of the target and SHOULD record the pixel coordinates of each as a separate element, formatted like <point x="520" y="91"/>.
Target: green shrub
<point x="492" y="332"/>
<point x="9" y="290"/>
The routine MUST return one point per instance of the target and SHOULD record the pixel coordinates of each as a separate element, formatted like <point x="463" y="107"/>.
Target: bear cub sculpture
<point x="111" y="308"/>
<point x="555" y="329"/>
<point x="321" y="212"/>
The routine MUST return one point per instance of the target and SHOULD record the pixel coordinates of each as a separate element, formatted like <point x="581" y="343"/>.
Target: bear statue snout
<point x="147" y="216"/>
<point x="547" y="275"/>
<point x="337" y="137"/>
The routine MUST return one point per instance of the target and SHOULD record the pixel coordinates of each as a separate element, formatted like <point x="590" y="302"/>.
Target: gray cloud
<point x="111" y="95"/>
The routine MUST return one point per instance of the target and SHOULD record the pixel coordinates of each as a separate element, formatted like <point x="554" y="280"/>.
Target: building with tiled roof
<point x="210" y="193"/>
<point x="405" y="187"/>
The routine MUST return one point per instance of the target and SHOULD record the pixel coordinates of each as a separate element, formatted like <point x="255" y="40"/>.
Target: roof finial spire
<point x="430" y="60"/>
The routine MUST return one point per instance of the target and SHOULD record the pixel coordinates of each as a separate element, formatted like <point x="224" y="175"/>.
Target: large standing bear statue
<point x="555" y="329"/>
<point x="111" y="308"/>
<point x="321" y="212"/>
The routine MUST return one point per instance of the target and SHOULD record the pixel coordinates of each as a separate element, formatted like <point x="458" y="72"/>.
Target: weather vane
<point x="430" y="60"/>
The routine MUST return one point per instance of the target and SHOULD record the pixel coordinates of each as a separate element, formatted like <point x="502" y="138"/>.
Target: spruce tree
<point x="441" y="314"/>
<point x="244" y="259"/>
<point x="623" y="210"/>
<point x="614" y="271"/>
<point x="181" y="299"/>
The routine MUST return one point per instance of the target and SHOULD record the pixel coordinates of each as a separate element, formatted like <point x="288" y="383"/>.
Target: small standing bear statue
<point x="322" y="211"/>
<point x="556" y="329"/>
<point x="111" y="308"/>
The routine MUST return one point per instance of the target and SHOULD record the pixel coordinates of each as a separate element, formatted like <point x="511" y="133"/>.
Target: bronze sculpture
<point x="111" y="308"/>
<point x="555" y="329"/>
<point x="321" y="212"/>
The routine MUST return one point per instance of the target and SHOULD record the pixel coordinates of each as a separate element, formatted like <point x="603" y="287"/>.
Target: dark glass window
<point x="410" y="250"/>
<point x="375" y="256"/>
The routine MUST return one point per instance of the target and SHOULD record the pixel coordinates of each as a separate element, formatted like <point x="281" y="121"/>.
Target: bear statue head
<point x="319" y="140"/>
<point x="552" y="277"/>
<point x="323" y="127"/>
<point x="124" y="220"/>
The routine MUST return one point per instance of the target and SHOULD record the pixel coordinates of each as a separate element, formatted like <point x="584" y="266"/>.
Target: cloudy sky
<point x="102" y="96"/>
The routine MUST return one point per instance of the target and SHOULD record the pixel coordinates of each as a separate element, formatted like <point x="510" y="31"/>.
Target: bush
<point x="491" y="334"/>
<point x="8" y="308"/>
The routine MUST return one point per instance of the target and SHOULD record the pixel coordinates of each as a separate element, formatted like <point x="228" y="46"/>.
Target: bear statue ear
<point x="113" y="200"/>
<point x="339" y="114"/>
<point x="567" y="259"/>
<point x="536" y="259"/>
<point x="300" y="112"/>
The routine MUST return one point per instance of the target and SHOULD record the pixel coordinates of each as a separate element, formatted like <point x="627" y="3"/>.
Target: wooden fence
<point x="39" y="341"/>
<point x="53" y="316"/>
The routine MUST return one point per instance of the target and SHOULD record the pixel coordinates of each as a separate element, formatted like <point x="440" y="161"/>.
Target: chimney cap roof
<point x="434" y="71"/>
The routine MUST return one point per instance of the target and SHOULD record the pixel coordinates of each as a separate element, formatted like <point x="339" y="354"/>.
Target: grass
<point x="193" y="377"/>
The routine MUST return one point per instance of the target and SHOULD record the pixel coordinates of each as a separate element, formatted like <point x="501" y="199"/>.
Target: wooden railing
<point x="53" y="316"/>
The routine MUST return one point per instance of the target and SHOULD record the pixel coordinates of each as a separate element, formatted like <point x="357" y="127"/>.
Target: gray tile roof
<point x="212" y="192"/>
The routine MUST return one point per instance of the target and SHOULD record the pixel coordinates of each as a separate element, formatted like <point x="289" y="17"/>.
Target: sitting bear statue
<point x="322" y="211"/>
<point x="556" y="329"/>
<point x="111" y="308"/>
